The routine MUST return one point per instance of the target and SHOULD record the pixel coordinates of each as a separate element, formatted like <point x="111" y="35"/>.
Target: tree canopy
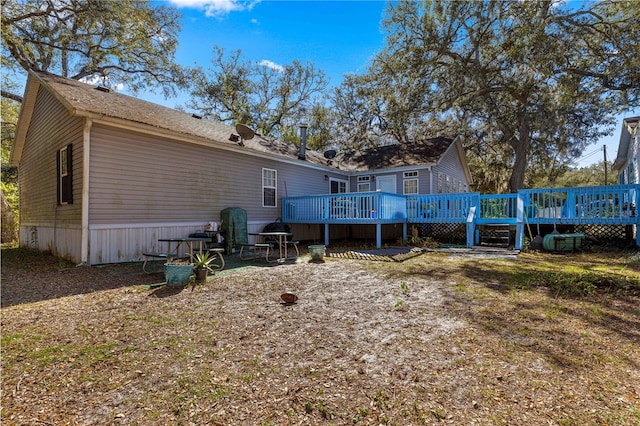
<point x="128" y="42"/>
<point x="528" y="83"/>
<point x="593" y="175"/>
<point x="268" y="96"/>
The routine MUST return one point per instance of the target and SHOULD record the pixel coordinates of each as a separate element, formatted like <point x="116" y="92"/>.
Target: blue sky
<point x="338" y="37"/>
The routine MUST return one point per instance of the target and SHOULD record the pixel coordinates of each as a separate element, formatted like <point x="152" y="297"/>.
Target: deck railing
<point x="362" y="207"/>
<point x="440" y="208"/>
<point x="604" y="205"/>
<point x="600" y="205"/>
<point x="498" y="208"/>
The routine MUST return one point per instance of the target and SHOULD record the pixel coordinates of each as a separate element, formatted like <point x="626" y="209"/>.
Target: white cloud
<point x="98" y="80"/>
<point x="216" y="8"/>
<point x="270" y="64"/>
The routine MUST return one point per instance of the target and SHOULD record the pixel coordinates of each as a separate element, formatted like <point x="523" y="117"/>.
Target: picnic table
<point x="189" y="242"/>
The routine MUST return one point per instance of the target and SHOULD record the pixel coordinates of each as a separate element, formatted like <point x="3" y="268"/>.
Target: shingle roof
<point x="85" y="100"/>
<point x="423" y="152"/>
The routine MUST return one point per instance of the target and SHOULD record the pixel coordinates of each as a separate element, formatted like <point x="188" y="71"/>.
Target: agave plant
<point x="203" y="261"/>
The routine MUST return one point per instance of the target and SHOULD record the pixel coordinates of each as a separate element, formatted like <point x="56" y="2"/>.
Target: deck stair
<point x="498" y="235"/>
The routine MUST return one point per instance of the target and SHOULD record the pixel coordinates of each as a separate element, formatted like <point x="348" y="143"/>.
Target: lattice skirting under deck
<point x="448" y="233"/>
<point x="606" y="232"/>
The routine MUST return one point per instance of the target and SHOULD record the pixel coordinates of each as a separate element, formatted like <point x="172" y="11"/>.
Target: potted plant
<point x="202" y="265"/>
<point x="177" y="272"/>
<point x="317" y="252"/>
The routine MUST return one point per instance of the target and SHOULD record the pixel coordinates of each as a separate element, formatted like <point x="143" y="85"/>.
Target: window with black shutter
<point x="64" y="160"/>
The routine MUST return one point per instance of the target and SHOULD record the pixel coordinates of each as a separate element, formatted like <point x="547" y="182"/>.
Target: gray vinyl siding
<point x="449" y="165"/>
<point x="424" y="180"/>
<point x="137" y="178"/>
<point x="51" y="129"/>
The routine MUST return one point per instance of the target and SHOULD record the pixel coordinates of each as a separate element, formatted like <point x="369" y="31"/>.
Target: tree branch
<point x="11" y="96"/>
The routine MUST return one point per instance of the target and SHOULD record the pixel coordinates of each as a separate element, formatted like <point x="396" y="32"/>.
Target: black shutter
<point x="58" y="181"/>
<point x="68" y="187"/>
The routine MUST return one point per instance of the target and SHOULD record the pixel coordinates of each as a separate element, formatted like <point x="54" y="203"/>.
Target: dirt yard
<point x="435" y="339"/>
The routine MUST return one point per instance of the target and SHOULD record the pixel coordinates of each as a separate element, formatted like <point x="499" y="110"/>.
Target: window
<point x="338" y="186"/>
<point x="410" y="182"/>
<point x="364" y="183"/>
<point x="64" y="162"/>
<point x="269" y="187"/>
<point x="440" y="183"/>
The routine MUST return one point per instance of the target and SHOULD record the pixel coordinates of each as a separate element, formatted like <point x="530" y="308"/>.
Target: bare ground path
<point x="431" y="340"/>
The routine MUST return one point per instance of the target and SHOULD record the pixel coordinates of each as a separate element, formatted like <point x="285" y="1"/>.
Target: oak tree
<point x="125" y="42"/>
<point x="264" y="95"/>
<point x="534" y="82"/>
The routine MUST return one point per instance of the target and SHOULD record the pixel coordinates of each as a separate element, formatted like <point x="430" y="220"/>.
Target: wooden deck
<point x="593" y="205"/>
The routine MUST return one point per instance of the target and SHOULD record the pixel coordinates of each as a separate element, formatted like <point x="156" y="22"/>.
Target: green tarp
<point x="234" y="225"/>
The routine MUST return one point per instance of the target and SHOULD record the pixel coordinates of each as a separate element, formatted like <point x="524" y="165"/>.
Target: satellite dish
<point x="329" y="154"/>
<point x="245" y="131"/>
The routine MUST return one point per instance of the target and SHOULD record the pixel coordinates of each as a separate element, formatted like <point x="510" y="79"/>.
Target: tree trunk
<point x="9" y="226"/>
<point x="520" y="148"/>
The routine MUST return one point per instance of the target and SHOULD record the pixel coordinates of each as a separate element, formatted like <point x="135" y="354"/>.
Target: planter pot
<point x="177" y="275"/>
<point x="317" y="252"/>
<point x="201" y="274"/>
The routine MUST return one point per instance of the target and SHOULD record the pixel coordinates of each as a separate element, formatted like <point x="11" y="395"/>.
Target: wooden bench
<point x="255" y="249"/>
<point x="157" y="255"/>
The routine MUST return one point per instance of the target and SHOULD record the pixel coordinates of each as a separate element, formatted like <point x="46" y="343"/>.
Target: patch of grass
<point x="360" y="415"/>
<point x="11" y="339"/>
<point x="573" y="275"/>
<point x="96" y="353"/>
<point x="33" y="260"/>
<point x="52" y="354"/>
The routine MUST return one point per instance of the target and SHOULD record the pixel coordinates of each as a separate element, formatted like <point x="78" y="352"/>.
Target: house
<point x="626" y="163"/>
<point x="103" y="176"/>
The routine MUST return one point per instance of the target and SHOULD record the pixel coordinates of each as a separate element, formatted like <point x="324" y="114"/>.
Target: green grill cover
<point x="234" y="225"/>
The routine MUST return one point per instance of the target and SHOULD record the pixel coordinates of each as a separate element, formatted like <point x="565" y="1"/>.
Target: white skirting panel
<point x="61" y="242"/>
<point x="127" y="243"/>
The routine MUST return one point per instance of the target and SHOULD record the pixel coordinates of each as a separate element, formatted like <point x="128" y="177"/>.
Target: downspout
<point x="86" y="151"/>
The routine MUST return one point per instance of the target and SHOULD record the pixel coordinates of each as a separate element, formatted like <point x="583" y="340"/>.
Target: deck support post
<point x="404" y="231"/>
<point x="378" y="235"/>
<point x="326" y="234"/>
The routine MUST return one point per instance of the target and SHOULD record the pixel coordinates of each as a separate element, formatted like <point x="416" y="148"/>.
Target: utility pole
<point x="604" y="148"/>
